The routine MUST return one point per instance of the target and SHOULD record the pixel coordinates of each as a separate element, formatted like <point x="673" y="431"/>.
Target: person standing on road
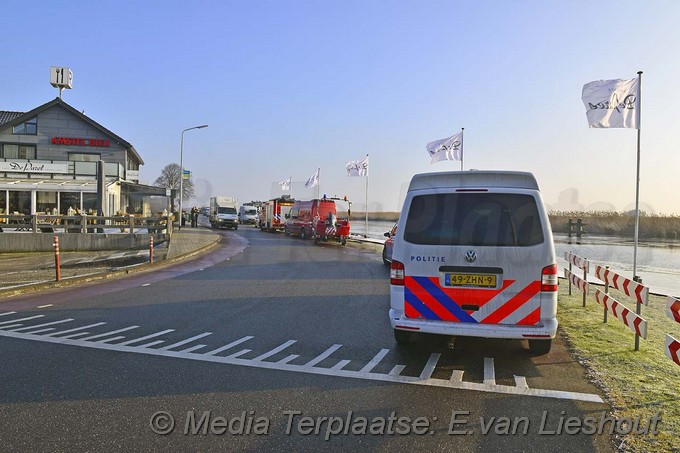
<point x="194" y="217"/>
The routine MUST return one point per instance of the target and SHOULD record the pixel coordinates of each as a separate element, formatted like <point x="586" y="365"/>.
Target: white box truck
<point x="224" y="212"/>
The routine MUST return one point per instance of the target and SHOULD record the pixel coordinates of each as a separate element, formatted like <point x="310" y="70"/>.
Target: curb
<point x="119" y="273"/>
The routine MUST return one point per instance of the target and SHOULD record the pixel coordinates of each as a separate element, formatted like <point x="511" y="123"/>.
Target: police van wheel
<point x="402" y="336"/>
<point x="540" y="347"/>
<point x="343" y="242"/>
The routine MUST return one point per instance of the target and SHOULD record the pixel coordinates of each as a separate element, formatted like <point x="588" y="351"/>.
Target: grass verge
<point x="639" y="384"/>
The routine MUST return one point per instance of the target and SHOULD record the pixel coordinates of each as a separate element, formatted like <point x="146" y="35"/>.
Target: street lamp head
<point x="201" y="127"/>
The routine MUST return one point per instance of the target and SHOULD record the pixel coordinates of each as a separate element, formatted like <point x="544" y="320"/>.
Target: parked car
<point x="388" y="246"/>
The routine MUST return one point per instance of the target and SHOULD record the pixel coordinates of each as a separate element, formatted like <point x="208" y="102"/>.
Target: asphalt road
<point x="240" y="345"/>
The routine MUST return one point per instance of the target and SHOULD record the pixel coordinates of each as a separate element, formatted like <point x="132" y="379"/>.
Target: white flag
<point x="612" y="103"/>
<point x="285" y="184"/>
<point x="313" y="180"/>
<point x="450" y="148"/>
<point x="357" y="167"/>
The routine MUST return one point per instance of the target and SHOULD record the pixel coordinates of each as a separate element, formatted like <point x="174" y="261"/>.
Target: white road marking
<point x="153" y="335"/>
<point x="42" y="325"/>
<point x="193" y="348"/>
<point x="108" y="333"/>
<point x="11" y="325"/>
<point x="22" y="319"/>
<point x="274" y="351"/>
<point x="456" y="375"/>
<point x="521" y="382"/>
<point x="49" y="329"/>
<point x="146" y="284"/>
<point x="324" y="355"/>
<point x="73" y="335"/>
<point x="365" y="373"/>
<point x="153" y="343"/>
<point x="106" y="340"/>
<point x="429" y="366"/>
<point x="374" y="361"/>
<point x="239" y="354"/>
<point x="340" y="365"/>
<point x="45" y="306"/>
<point x="229" y="346"/>
<point x="396" y="371"/>
<point x="289" y="358"/>
<point x="76" y="329"/>
<point x="188" y="340"/>
<point x="7" y="313"/>
<point x="489" y="372"/>
<point x="116" y="256"/>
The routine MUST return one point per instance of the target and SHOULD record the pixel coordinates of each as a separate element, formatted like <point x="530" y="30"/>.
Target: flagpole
<point x="637" y="181"/>
<point x="462" y="148"/>
<point x="366" y="234"/>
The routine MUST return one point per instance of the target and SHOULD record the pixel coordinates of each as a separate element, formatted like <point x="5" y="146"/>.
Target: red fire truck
<point x="273" y="213"/>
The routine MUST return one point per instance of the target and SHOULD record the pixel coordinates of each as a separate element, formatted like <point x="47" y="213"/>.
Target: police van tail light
<point x="397" y="273"/>
<point x="549" y="278"/>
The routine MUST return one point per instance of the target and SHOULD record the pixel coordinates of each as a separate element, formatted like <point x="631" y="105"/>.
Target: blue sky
<point x="287" y="87"/>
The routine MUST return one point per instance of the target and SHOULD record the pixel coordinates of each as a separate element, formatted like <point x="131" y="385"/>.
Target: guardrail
<point x="44" y="223"/>
<point x="631" y="288"/>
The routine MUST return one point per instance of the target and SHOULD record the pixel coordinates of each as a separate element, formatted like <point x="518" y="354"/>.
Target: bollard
<point x="606" y="291"/>
<point x="151" y="250"/>
<point x="57" y="263"/>
<point x="569" y="279"/>
<point x="638" y="311"/>
<point x="585" y="279"/>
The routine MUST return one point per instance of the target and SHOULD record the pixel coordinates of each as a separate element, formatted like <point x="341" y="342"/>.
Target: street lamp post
<point x="181" y="169"/>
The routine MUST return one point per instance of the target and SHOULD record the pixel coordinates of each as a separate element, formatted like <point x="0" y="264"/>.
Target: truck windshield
<point x="226" y="210"/>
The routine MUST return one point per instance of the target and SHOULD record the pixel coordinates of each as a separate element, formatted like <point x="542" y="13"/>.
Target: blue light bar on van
<point x="472" y="190"/>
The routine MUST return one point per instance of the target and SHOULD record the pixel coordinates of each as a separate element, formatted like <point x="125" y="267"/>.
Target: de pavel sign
<point x="76" y="141"/>
<point x="33" y="167"/>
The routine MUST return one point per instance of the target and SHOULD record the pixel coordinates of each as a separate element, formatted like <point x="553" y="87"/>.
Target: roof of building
<point x="14" y="118"/>
<point x="6" y="117"/>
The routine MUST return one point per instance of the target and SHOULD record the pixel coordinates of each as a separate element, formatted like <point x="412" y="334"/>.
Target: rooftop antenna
<point x="61" y="78"/>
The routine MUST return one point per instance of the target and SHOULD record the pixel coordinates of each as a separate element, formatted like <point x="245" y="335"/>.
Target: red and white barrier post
<point x="57" y="261"/>
<point x="581" y="263"/>
<point x="151" y="249"/>
<point x="629" y="287"/>
<point x="633" y="321"/>
<point x="672" y="344"/>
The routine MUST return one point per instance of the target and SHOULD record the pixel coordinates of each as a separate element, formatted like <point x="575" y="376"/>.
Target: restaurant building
<point x="49" y="159"/>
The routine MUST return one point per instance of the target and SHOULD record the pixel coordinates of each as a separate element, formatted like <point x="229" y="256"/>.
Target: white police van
<point x="474" y="256"/>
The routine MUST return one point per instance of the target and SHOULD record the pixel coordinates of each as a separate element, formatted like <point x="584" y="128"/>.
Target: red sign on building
<point x="95" y="142"/>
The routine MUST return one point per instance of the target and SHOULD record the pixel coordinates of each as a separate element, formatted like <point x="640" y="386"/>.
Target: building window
<point x="18" y="151"/>
<point x="82" y="157"/>
<point x="19" y="202"/>
<point x="69" y="200"/>
<point x="29" y="127"/>
<point x="90" y="203"/>
<point x="46" y="202"/>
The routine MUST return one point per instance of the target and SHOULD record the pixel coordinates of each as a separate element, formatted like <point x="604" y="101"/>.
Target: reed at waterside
<point x="377" y="216"/>
<point x="619" y="224"/>
<point x="603" y="223"/>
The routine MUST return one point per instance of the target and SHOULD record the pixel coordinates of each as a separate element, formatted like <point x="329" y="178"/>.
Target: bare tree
<point x="169" y="179"/>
